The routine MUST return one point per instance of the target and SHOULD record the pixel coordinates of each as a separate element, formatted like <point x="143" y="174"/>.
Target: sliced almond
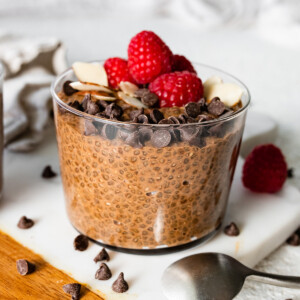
<point x="229" y="93"/>
<point x="207" y="85"/>
<point x="102" y="97"/>
<point x="131" y="101"/>
<point x="90" y="72"/>
<point x="84" y="86"/>
<point x="128" y="88"/>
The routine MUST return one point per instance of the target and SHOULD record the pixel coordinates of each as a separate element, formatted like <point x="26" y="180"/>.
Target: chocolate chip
<point x="149" y="99"/>
<point x="232" y="229"/>
<point x="68" y="90"/>
<point x="76" y="105"/>
<point x="145" y="134"/>
<point x="133" y="140"/>
<point x="294" y="240"/>
<point x="216" y="107"/>
<point x="85" y="101"/>
<point x="202" y="103"/>
<point x="142" y="119"/>
<point x="161" y="138"/>
<point x="89" y="128"/>
<point x="109" y="131"/>
<point x="102" y="104"/>
<point x="192" y="109"/>
<point x="25" y="223"/>
<point x="165" y="121"/>
<point x="182" y="118"/>
<point x="290" y="173"/>
<point x="120" y="285"/>
<point x="81" y="242"/>
<point x="174" y="120"/>
<point x="72" y="289"/>
<point x="156" y="116"/>
<point x="92" y="108"/>
<point x="103" y="273"/>
<point x="175" y="134"/>
<point x="102" y="255"/>
<point x="141" y="92"/>
<point x="48" y="172"/>
<point x="135" y="113"/>
<point x="113" y="111"/>
<point x="204" y="118"/>
<point x="25" y="267"/>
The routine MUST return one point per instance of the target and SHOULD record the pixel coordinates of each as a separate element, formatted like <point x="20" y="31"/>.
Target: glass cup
<point x="1" y="128"/>
<point x="129" y="191"/>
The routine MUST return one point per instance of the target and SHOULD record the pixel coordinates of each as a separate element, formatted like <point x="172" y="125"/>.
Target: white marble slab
<point x="265" y="222"/>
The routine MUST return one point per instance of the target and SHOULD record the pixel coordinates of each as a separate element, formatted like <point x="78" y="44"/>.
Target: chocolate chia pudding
<point x="138" y="174"/>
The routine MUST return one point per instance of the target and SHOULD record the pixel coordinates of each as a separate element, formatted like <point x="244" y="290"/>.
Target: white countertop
<point x="268" y="61"/>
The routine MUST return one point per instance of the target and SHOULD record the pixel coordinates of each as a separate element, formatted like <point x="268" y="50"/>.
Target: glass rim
<point x="74" y="111"/>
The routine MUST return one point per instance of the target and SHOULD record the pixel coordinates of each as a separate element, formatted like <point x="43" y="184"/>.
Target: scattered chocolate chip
<point x="204" y="118"/>
<point x="294" y="240"/>
<point x="102" y="255"/>
<point x="149" y="99"/>
<point x="141" y="92"/>
<point x="89" y="128"/>
<point x="135" y="113"/>
<point x="182" y="118"/>
<point x="133" y="140"/>
<point x="202" y="103"/>
<point x="25" y="267"/>
<point x="68" y="90"/>
<point x="92" y="108"/>
<point x="72" y="289"/>
<point x="109" y="131"/>
<point x="232" y="229"/>
<point x="156" y="116"/>
<point x="142" y="119"/>
<point x="81" y="242"/>
<point x="216" y="107"/>
<point x="192" y="109"/>
<point x="48" y="172"/>
<point x="290" y="173"/>
<point x="103" y="273"/>
<point x="174" y="120"/>
<point x="85" y="101"/>
<point x="25" y="223"/>
<point x="145" y="134"/>
<point x="120" y="285"/>
<point x="175" y="135"/>
<point x="165" y="121"/>
<point x="76" y="105"/>
<point x="113" y="110"/>
<point x="102" y="104"/>
<point x="161" y="138"/>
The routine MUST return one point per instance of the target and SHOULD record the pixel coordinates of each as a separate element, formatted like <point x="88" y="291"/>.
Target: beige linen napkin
<point x="30" y="64"/>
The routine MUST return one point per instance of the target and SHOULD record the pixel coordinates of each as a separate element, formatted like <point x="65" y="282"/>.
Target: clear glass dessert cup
<point x="126" y="192"/>
<point x="1" y="128"/>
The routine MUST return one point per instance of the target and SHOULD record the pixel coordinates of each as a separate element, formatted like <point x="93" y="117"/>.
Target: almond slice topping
<point x="131" y="101"/>
<point x="208" y="84"/>
<point x="128" y="88"/>
<point x="102" y="97"/>
<point x="90" y="72"/>
<point x="85" y="86"/>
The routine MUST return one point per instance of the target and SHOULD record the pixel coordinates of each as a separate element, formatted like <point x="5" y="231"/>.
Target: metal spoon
<point x="214" y="276"/>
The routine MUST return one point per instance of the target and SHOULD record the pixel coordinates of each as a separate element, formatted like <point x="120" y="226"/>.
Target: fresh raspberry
<point x="148" y="57"/>
<point x="181" y="63"/>
<point x="117" y="71"/>
<point x="177" y="89"/>
<point x="265" y="169"/>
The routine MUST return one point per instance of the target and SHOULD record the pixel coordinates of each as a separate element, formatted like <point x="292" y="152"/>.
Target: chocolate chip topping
<point x="232" y="229"/>
<point x="135" y="113"/>
<point x="294" y="240"/>
<point x="202" y="103"/>
<point x="113" y="111"/>
<point x="156" y="116"/>
<point x="109" y="131"/>
<point x="174" y="120"/>
<point x="204" y="118"/>
<point x="161" y="138"/>
<point x="68" y="90"/>
<point x="145" y="134"/>
<point x="147" y="98"/>
<point x="290" y="173"/>
<point x="25" y="223"/>
<point x="142" y="119"/>
<point x="103" y="273"/>
<point x="72" y="289"/>
<point x="102" y="104"/>
<point x="25" y="267"/>
<point x="81" y="242"/>
<point x="102" y="255"/>
<point x="76" y="105"/>
<point x="48" y="172"/>
<point x="92" y="108"/>
<point x="133" y="139"/>
<point x="141" y="92"/>
<point x="216" y="107"/>
<point x="165" y="121"/>
<point x="192" y="109"/>
<point x="120" y="285"/>
<point x="85" y="101"/>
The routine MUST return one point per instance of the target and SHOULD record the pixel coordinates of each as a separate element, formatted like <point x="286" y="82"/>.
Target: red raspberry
<point x="181" y="63"/>
<point x="117" y="71"/>
<point x="265" y="169"/>
<point x="148" y="57"/>
<point x="177" y="89"/>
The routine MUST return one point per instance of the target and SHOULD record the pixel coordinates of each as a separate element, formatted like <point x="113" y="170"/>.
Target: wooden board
<point x="45" y="283"/>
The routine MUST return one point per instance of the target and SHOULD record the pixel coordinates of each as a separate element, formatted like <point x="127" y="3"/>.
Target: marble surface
<point x="265" y="56"/>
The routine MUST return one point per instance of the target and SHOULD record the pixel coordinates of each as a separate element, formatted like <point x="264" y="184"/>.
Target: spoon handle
<point x="292" y="282"/>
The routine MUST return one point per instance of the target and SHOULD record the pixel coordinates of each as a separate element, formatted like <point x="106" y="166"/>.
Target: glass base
<point x="158" y="251"/>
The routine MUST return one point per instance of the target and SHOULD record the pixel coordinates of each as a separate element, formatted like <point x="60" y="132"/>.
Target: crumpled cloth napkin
<point x="30" y="64"/>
